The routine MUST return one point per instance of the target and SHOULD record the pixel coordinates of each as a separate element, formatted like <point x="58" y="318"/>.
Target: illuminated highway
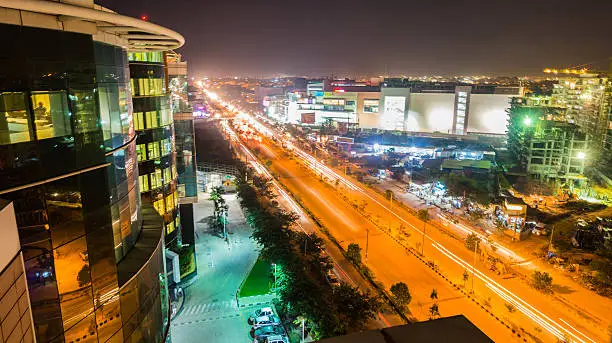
<point x="389" y="260"/>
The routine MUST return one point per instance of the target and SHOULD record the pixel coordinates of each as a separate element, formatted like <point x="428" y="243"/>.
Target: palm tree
<point x="434" y="311"/>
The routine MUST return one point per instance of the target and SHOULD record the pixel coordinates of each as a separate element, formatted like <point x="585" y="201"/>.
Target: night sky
<point x="376" y="37"/>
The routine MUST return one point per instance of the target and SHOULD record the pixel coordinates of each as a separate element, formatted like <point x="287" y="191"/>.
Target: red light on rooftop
<point x="144" y="17"/>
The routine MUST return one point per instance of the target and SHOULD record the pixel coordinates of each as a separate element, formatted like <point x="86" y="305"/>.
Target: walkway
<point x="210" y="313"/>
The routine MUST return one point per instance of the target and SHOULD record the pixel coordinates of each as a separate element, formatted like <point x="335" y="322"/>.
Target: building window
<point x="170" y="202"/>
<point x="167" y="176"/>
<point x="139" y="123"/>
<point x="153" y="150"/>
<point x="51" y="114"/>
<point x="166" y="146"/>
<point x="15" y="124"/>
<point x="152" y="120"/>
<point x="141" y="152"/>
<point x="147" y="87"/>
<point x="143" y="181"/>
<point x="159" y="206"/>
<point x="156" y="179"/>
<point x="170" y="227"/>
<point x="370" y="105"/>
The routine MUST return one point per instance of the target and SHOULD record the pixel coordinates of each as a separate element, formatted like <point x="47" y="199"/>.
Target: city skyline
<point x="260" y="39"/>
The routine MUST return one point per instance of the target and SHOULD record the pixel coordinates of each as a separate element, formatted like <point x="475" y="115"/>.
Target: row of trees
<point x="302" y="287"/>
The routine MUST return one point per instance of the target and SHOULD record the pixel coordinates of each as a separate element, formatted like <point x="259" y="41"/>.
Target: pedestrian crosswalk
<point x="195" y="309"/>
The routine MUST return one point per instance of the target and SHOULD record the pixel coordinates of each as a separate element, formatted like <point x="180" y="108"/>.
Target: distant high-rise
<point x="92" y="250"/>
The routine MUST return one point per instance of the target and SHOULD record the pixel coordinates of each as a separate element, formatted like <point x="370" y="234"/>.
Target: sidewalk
<point x="210" y="312"/>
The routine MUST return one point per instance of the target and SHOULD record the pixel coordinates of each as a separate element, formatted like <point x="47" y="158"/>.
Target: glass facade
<point x="69" y="164"/>
<point x="155" y="146"/>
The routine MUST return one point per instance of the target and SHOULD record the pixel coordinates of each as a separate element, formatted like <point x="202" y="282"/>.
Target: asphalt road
<point x="389" y="261"/>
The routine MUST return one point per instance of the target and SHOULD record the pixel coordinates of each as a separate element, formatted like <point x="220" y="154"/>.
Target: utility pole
<point x="474" y="263"/>
<point x="367" y="243"/>
<point x="423" y="242"/>
<point x="551" y="237"/>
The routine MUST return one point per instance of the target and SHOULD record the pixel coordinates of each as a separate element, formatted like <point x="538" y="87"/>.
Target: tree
<point x="353" y="252"/>
<point x="401" y="294"/>
<point x="389" y="194"/>
<point x="423" y="216"/>
<point x="541" y="281"/>
<point x="472" y="242"/>
<point x="355" y="307"/>
<point x="465" y="277"/>
<point x="434" y="311"/>
<point x="434" y="294"/>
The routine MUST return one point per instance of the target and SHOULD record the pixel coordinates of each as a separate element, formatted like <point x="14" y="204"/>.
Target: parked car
<point x="260" y="334"/>
<point x="276" y="339"/>
<point x="265" y="320"/>
<point x="332" y="280"/>
<point x="264" y="311"/>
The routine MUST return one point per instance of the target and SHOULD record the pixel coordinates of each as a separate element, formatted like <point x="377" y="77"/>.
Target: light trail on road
<point x="527" y="309"/>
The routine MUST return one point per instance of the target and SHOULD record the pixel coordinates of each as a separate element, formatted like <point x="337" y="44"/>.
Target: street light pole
<point x="474" y="264"/>
<point x="302" y="329"/>
<point x="367" y="244"/>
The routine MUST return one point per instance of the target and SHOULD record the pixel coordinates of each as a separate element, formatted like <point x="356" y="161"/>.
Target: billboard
<point x="393" y="114"/>
<point x="308" y="118"/>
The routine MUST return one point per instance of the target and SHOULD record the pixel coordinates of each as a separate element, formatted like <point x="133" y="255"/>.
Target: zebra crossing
<point x="196" y="309"/>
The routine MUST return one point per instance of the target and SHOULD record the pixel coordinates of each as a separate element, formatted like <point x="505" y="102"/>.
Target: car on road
<point x="264" y="311"/>
<point x="332" y="280"/>
<point x="259" y="335"/>
<point x="264" y="321"/>
<point x="276" y="339"/>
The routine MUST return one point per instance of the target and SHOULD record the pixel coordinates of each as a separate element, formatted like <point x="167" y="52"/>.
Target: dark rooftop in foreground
<point x="450" y="329"/>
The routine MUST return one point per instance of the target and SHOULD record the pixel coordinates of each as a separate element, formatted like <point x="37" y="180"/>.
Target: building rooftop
<point x="456" y="329"/>
<point x="460" y="164"/>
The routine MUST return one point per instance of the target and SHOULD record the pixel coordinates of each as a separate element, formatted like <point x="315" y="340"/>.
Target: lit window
<point x="152" y="120"/>
<point x="15" y="124"/>
<point x="141" y="152"/>
<point x="51" y="114"/>
<point x="153" y="150"/>
<point x="143" y="181"/>
<point x="170" y="227"/>
<point x="139" y="123"/>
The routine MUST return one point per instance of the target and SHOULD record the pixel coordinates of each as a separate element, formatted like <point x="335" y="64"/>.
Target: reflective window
<point x="85" y="116"/>
<point x="108" y="319"/>
<point x="153" y="150"/>
<point x="143" y="182"/>
<point x="51" y="114"/>
<point x="15" y="123"/>
<point x="155" y="56"/>
<point x="141" y="152"/>
<point x="152" y="119"/>
<point x="139" y="123"/>
<point x="156" y="178"/>
<point x="159" y="206"/>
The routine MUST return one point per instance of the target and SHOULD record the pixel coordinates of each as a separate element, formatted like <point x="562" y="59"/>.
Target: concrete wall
<point x="367" y="120"/>
<point x="431" y="112"/>
<point x="487" y="113"/>
<point x="8" y="234"/>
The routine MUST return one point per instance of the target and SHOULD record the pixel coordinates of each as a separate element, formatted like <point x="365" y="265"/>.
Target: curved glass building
<point x="91" y="249"/>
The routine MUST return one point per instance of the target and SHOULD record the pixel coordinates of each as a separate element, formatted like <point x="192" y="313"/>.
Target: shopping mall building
<point x="81" y="124"/>
<point x="447" y="108"/>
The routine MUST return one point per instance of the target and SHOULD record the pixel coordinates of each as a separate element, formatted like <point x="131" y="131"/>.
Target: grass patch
<point x="258" y="281"/>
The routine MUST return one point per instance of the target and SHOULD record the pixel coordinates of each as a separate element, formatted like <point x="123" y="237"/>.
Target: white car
<point x="276" y="339"/>
<point x="265" y="320"/>
<point x="264" y="311"/>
